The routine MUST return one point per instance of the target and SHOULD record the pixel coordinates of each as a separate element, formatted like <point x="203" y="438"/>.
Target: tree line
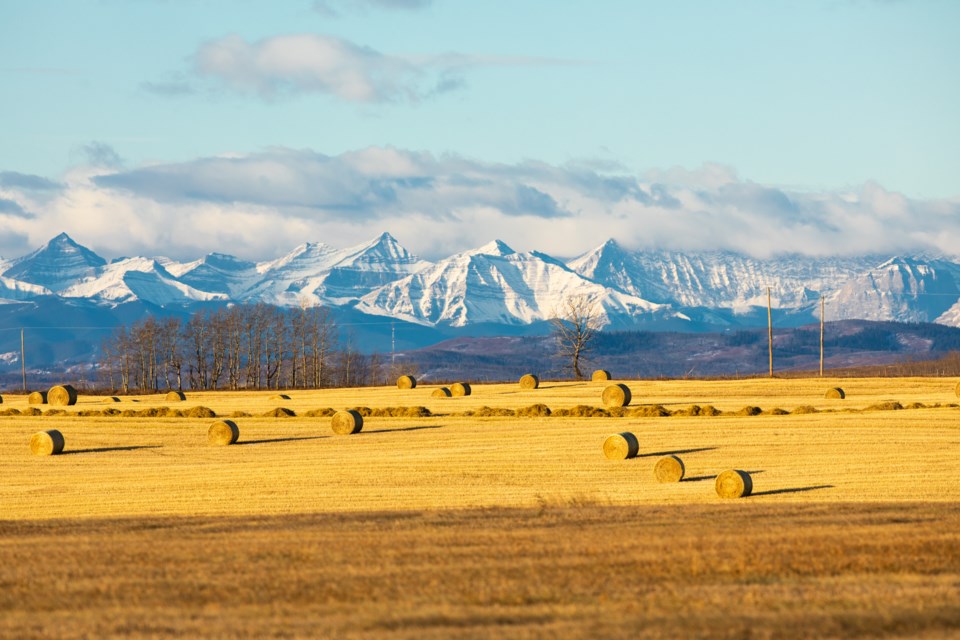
<point x="239" y="347"/>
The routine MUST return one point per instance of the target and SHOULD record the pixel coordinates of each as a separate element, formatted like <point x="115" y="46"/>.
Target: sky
<point x="180" y="127"/>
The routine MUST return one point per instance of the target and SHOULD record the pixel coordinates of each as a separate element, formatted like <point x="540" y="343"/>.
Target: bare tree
<point x="575" y="325"/>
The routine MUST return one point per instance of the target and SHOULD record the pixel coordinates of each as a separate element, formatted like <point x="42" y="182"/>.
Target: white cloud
<point x="308" y="63"/>
<point x="259" y="205"/>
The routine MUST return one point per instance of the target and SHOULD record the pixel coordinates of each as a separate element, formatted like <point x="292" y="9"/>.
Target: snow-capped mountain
<point x="316" y="273"/>
<point x="132" y="279"/>
<point x="216" y="273"/>
<point x="495" y="284"/>
<point x="57" y="265"/>
<point x="718" y="279"/>
<point x="901" y="289"/>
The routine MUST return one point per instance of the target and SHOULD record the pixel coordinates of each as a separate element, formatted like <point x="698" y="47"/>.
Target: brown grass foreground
<point x="738" y="570"/>
<point x="452" y="525"/>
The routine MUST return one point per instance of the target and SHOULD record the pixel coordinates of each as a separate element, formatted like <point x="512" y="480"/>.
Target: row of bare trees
<point x="240" y="347"/>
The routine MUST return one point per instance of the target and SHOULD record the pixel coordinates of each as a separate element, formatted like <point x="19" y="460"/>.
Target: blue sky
<point x="819" y="101"/>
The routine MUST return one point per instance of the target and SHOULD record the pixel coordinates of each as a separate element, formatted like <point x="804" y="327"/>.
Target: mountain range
<point x="494" y="284"/>
<point x="382" y="290"/>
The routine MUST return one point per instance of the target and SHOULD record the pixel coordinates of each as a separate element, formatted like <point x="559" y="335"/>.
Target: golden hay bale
<point x="347" y="422"/>
<point x="442" y="392"/>
<point x="1" y="399"/>
<point x="37" y="397"/>
<point x="616" y="395"/>
<point x="669" y="469"/>
<point x="62" y="396"/>
<point x="734" y="483"/>
<point x="223" y="432"/>
<point x="835" y="394"/>
<point x="600" y="375"/>
<point x="111" y="399"/>
<point x="201" y="412"/>
<point x="406" y="382"/>
<point x="529" y="381"/>
<point x="280" y="412"/>
<point x="621" y="446"/>
<point x="46" y="443"/>
<point x="280" y="396"/>
<point x="460" y="389"/>
<point x="176" y="396"/>
<point x="958" y="390"/>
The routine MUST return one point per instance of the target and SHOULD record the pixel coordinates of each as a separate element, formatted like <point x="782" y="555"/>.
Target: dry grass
<point x="741" y="569"/>
<point x="485" y="539"/>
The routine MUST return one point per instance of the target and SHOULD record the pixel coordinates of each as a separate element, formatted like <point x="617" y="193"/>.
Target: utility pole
<point x="23" y="361"/>
<point x="821" y="336"/>
<point x="770" y="331"/>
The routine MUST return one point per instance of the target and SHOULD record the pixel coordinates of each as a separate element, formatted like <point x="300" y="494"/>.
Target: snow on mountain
<point x="318" y="273"/>
<point x="57" y="265"/>
<point x="137" y="279"/>
<point x="495" y="284"/>
<point x="717" y="279"/>
<point x="11" y="289"/>
<point x="216" y="273"/>
<point x="901" y="289"/>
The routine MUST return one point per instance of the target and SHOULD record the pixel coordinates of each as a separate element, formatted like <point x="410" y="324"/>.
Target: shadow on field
<point x="698" y="478"/>
<point x="676" y="452"/>
<point x="774" y="492"/>
<point x="426" y="426"/>
<point x="268" y="440"/>
<point x="713" y="477"/>
<point x="105" y="449"/>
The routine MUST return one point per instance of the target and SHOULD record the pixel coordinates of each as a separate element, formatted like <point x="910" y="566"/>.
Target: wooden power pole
<point x="821" y="336"/>
<point x="770" y="331"/>
<point x="23" y="361"/>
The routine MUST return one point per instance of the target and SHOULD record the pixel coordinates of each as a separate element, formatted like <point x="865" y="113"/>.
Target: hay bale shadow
<point x="398" y="429"/>
<point x="106" y="449"/>
<point x="677" y="452"/>
<point x="269" y="440"/>
<point x="699" y="478"/>
<point x="773" y="492"/>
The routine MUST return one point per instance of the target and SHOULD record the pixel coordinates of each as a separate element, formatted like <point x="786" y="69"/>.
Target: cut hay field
<point x="460" y="523"/>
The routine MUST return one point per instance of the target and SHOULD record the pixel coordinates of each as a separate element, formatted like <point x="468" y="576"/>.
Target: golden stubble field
<point x="466" y="526"/>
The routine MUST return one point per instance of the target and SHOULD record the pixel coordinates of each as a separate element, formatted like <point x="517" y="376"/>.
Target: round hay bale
<point x="46" y="443"/>
<point x="37" y="397"/>
<point x="111" y="399"/>
<point x="460" y="389"/>
<point x="529" y="381"/>
<point x="442" y="392"/>
<point x="406" y="382"/>
<point x="280" y="396"/>
<point x="176" y="396"/>
<point x="616" y="395"/>
<point x="1" y="399"/>
<point x="62" y="396"/>
<point x="600" y="375"/>
<point x="734" y="483"/>
<point x="345" y="423"/>
<point x="223" y="432"/>
<point x="669" y="469"/>
<point x="958" y="390"/>
<point x="835" y="393"/>
<point x="621" y="446"/>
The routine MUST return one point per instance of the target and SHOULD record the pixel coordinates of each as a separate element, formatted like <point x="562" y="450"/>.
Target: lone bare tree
<point x="574" y="327"/>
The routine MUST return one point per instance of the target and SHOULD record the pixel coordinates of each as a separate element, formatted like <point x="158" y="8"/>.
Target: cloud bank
<point x="260" y="205"/>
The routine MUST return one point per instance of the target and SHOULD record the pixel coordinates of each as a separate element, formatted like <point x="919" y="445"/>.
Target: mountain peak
<point x="57" y="264"/>
<point x="494" y="248"/>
